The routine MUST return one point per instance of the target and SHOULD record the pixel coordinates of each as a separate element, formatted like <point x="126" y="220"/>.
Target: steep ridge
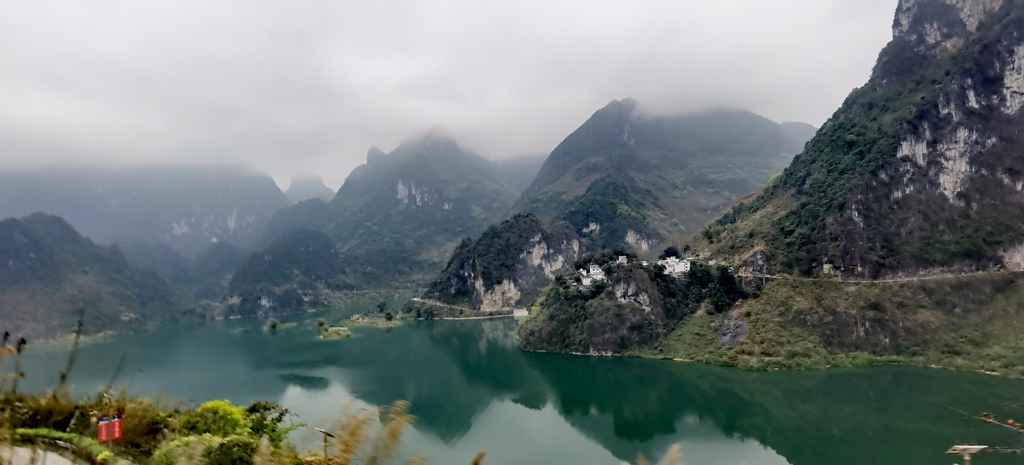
<point x="623" y="180"/>
<point x="186" y="207"/>
<point x="400" y="214"/>
<point x="919" y="171"/>
<point x="51" y="273"/>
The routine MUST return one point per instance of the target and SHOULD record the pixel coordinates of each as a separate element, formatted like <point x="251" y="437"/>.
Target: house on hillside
<point x="596" y="273"/>
<point x="675" y="266"/>
<point x="623" y="260"/>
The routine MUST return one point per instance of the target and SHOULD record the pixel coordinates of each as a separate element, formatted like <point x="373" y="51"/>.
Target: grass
<point x="968" y="323"/>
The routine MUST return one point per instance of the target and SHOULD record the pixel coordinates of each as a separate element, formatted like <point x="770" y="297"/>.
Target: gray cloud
<point x="308" y="86"/>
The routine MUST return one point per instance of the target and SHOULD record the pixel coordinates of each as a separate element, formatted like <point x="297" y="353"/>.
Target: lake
<point x="473" y="390"/>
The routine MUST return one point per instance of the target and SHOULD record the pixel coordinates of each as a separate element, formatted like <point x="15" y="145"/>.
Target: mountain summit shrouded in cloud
<point x="305" y="88"/>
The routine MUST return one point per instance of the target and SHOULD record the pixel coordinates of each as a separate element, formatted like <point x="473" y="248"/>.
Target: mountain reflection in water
<point x="472" y="389"/>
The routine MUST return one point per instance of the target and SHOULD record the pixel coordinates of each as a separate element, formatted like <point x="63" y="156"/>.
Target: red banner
<point x="115" y="428"/>
<point x="103" y="430"/>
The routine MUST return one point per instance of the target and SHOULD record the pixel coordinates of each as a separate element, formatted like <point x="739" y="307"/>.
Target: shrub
<point x="218" y="418"/>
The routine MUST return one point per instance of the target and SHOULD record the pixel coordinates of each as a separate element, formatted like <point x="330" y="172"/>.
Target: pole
<point x="326" y="434"/>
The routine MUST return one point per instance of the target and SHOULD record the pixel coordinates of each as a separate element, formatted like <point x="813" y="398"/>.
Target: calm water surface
<point x="474" y="390"/>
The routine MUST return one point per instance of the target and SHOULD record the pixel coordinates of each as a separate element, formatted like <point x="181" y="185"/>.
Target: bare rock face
<point x="920" y="170"/>
<point x="503" y="268"/>
<point x="733" y="330"/>
<point x="936" y="26"/>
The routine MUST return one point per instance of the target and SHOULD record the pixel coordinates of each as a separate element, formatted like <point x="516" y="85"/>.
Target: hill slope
<point x="624" y="176"/>
<point x="919" y="170"/>
<point x="51" y="272"/>
<point x="622" y="180"/>
<point x="400" y="214"/>
<point x="187" y="208"/>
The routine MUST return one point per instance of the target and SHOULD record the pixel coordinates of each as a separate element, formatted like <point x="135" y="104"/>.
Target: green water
<point x="473" y="390"/>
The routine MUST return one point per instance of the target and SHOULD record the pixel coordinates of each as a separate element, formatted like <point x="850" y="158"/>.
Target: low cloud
<point x="308" y="87"/>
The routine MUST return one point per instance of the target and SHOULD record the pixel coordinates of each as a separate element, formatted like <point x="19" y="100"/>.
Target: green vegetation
<point x="157" y="433"/>
<point x="215" y="433"/>
<point x="300" y="262"/>
<point x="634" y="306"/>
<point x="969" y="323"/>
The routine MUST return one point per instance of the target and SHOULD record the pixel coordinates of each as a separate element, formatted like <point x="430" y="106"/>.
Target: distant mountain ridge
<point x="51" y="273"/>
<point x="308" y="187"/>
<point x="186" y="207"/>
<point x="400" y="214"/>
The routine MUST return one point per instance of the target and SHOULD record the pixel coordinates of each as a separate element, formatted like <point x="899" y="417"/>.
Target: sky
<point x="306" y="87"/>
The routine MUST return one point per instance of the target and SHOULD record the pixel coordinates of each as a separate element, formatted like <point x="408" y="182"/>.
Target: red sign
<point x="115" y="428"/>
<point x="103" y="430"/>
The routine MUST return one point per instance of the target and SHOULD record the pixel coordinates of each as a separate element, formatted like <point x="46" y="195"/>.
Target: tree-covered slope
<point x="186" y="207"/>
<point x="920" y="169"/>
<point x="287" y="276"/>
<point x="50" y="273"/>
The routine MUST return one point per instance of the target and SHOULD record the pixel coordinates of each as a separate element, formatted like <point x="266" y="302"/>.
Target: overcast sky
<point x="296" y="87"/>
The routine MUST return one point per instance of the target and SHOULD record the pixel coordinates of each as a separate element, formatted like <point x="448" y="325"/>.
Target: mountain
<point x="51" y="273"/>
<point x="289" y="275"/>
<point x="622" y="180"/>
<point x="186" y="207"/>
<point x="627" y="177"/>
<point x="204" y="277"/>
<point x="506" y="266"/>
<point x="308" y="187"/>
<point x="915" y="181"/>
<point x="919" y="171"/>
<point x="402" y="213"/>
<point x="517" y="173"/>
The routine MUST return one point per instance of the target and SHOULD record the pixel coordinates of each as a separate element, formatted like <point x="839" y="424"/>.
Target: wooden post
<point x="326" y="434"/>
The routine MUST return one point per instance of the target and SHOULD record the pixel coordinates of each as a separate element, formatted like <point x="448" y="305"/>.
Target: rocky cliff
<point x="920" y="169"/>
<point x="506" y="266"/>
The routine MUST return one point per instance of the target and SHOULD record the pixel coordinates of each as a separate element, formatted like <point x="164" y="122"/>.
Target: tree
<point x="669" y="252"/>
<point x="382" y="306"/>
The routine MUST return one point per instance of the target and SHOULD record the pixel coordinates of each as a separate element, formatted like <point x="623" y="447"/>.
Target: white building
<point x="623" y="259"/>
<point x="675" y="266"/>
<point x="588" y="281"/>
<point x="597" y="273"/>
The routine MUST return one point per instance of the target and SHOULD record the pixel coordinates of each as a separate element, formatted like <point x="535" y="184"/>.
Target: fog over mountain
<point x="300" y="88"/>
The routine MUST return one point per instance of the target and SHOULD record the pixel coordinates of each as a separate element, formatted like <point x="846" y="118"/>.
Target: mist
<point x="294" y="88"/>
